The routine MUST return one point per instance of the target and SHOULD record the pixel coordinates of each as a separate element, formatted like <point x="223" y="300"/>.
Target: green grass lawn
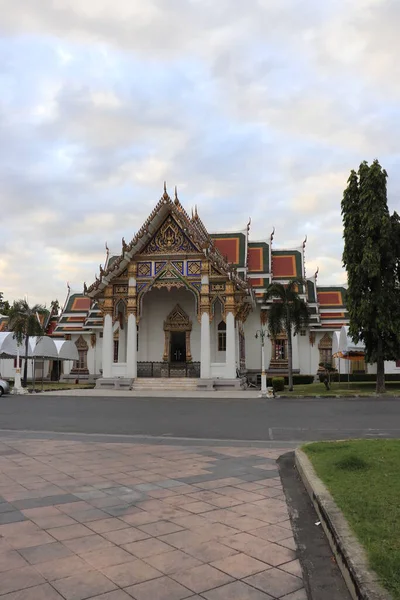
<point x="362" y="388"/>
<point x="363" y="477"/>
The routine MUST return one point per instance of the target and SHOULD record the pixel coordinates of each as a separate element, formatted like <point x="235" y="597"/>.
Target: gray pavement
<point x="224" y="418"/>
<point x="82" y="520"/>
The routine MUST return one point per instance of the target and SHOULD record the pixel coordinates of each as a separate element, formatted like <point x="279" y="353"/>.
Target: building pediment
<point x="169" y="233"/>
<point x="170" y="239"/>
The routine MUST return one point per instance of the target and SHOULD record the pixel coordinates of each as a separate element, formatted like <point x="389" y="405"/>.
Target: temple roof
<point x="332" y="306"/>
<point x="74" y="314"/>
<point x="193" y="229"/>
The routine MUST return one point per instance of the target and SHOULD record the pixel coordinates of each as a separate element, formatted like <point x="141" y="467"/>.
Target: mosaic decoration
<point x="169" y="239"/>
<point x="196" y="285"/>
<point x="168" y="274"/>
<point x="120" y="290"/>
<point x="159" y="265"/>
<point x="141" y="287"/>
<point x="218" y="287"/>
<point x="178" y="264"/>
<point x="144" y="269"/>
<point x="193" y="267"/>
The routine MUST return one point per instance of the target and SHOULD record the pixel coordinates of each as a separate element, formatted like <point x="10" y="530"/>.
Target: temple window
<point x="325" y="350"/>
<point x="280" y="349"/>
<point x="222" y="337"/>
<point x="81" y="363"/>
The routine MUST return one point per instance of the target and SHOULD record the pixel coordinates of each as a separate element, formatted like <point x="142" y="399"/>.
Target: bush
<point x="278" y="384"/>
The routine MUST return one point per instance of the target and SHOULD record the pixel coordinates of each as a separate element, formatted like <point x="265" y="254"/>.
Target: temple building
<point x="180" y="302"/>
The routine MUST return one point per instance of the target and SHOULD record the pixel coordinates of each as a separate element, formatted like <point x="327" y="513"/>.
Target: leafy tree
<point x="4" y="305"/>
<point x="25" y="322"/>
<point x="289" y="313"/>
<point x="371" y="256"/>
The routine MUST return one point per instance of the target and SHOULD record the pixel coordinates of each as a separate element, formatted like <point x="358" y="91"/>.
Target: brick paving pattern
<point x="116" y="521"/>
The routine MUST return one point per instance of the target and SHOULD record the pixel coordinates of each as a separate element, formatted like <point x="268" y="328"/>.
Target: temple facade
<point x="179" y="301"/>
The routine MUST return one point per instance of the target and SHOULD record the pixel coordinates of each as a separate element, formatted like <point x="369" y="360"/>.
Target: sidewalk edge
<point x="351" y="558"/>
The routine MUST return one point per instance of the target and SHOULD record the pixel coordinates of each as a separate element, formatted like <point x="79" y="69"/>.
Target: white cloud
<point x="258" y="108"/>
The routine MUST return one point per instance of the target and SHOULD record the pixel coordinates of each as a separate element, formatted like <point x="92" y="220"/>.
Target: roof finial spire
<point x="195" y="212"/>
<point x="165" y="194"/>
<point x="176" y="195"/>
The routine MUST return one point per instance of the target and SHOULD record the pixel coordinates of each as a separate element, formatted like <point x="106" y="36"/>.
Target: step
<point x="172" y="383"/>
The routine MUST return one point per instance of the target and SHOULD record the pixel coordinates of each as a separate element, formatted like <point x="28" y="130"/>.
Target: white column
<point x="205" y="362"/>
<point x="295" y="351"/>
<point x="131" y="349"/>
<point x="230" y="346"/>
<point x="107" y="353"/>
<point x="122" y="344"/>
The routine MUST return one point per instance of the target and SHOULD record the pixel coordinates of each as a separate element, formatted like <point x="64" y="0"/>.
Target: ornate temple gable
<point x="170" y="239"/>
<point x="177" y="320"/>
<point x="168" y="231"/>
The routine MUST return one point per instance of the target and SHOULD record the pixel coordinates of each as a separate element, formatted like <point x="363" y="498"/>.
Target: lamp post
<point x="18" y="389"/>
<point x="261" y="333"/>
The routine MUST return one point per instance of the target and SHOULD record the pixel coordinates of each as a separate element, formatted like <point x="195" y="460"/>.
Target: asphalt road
<point x="238" y="419"/>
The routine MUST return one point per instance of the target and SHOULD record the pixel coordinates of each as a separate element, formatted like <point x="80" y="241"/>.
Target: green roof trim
<point x="265" y="248"/>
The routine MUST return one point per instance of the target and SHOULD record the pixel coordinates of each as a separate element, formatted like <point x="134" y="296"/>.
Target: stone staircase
<point x="160" y="384"/>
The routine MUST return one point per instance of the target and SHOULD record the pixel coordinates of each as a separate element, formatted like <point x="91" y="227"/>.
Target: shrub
<point x="278" y="384"/>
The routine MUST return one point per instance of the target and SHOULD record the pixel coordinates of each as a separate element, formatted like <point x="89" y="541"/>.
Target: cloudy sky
<point x="257" y="108"/>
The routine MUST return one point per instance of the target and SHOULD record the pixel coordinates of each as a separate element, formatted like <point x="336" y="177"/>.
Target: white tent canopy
<point x="335" y="342"/>
<point x="8" y="345"/>
<point x="346" y="344"/>
<point x="39" y="347"/>
<point x="67" y="350"/>
<point x="42" y="347"/>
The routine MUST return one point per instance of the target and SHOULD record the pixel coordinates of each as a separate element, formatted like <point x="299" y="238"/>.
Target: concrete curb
<point x="362" y="583"/>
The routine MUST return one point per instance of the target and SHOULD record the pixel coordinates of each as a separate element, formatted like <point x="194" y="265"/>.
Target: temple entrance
<point x="177" y="328"/>
<point x="178" y="347"/>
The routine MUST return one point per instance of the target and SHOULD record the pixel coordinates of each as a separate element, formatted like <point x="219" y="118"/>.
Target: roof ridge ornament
<point x="165" y="196"/>
<point x="176" y="196"/>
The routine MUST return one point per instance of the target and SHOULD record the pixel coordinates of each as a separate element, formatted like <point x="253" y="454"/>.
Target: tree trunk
<point x="25" y="378"/>
<point x="290" y="357"/>
<point x="380" y="370"/>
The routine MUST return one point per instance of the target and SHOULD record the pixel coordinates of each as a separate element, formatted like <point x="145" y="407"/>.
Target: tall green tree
<point x="4" y="305"/>
<point x="25" y="322"/>
<point x="288" y="313"/>
<point x="371" y="257"/>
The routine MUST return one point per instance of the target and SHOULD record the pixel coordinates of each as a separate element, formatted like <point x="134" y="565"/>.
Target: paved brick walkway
<point x="117" y="521"/>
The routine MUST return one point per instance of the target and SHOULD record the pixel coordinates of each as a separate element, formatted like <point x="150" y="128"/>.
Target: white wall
<point x="253" y="345"/>
<point x="7" y="369"/>
<point x="305" y="355"/>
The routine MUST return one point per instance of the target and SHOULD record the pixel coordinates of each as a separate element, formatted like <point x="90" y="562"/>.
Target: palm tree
<point x="288" y="312"/>
<point x="25" y="322"/>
